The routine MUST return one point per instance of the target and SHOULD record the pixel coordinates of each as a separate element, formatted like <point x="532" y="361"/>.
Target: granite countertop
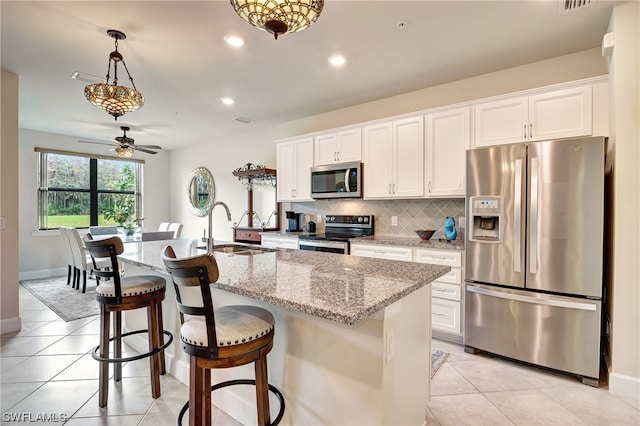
<point x="411" y="242"/>
<point x="345" y="289"/>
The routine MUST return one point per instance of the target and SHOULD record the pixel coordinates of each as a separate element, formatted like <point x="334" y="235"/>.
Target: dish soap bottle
<point x="450" y="232"/>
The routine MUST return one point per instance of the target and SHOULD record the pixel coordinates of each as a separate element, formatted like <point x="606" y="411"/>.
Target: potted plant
<point x="123" y="212"/>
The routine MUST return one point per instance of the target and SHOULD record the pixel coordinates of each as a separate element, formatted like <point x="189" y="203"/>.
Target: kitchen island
<point x="352" y="334"/>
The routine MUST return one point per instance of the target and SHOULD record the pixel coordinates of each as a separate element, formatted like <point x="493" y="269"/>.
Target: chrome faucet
<point x="209" y="238"/>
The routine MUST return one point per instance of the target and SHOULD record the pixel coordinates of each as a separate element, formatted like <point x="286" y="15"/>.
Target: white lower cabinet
<point x="445" y="315"/>
<point x="446" y="291"/>
<point x="280" y="241"/>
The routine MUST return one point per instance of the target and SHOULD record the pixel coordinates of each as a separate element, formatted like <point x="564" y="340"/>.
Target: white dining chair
<point x="71" y="264"/>
<point x="82" y="259"/>
<point x="164" y="226"/>
<point x="176" y="228"/>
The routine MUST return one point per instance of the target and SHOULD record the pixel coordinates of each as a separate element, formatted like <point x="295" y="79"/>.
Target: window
<point x="77" y="189"/>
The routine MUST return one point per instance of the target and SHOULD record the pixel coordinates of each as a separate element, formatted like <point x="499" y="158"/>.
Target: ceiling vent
<point x="243" y="120"/>
<point x="571" y="5"/>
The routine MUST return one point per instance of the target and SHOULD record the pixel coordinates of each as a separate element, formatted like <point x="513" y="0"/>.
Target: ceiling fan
<point x="125" y="145"/>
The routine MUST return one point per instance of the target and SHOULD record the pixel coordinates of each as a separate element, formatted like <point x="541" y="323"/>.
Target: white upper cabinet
<point x="448" y="136"/>
<point x="295" y="159"/>
<point x="548" y="115"/>
<point x="393" y="154"/>
<point x="338" y="147"/>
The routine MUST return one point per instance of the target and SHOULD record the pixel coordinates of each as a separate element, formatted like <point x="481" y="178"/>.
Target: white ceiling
<point x="177" y="56"/>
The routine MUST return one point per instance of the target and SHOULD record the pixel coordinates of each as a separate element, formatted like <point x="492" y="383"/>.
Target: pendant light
<point x="116" y="100"/>
<point x="279" y="16"/>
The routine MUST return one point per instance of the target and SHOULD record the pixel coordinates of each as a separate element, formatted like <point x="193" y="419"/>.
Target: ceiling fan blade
<point x="100" y="143"/>
<point x="149" y="146"/>
<point x="143" y="150"/>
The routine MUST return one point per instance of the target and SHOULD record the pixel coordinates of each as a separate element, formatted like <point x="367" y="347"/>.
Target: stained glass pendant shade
<point x="116" y="100"/>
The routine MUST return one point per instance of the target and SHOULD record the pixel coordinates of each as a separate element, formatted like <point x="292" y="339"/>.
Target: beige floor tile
<point x="532" y="407"/>
<point x="158" y="419"/>
<point x="106" y="421"/>
<point x="92" y="327"/>
<point x="541" y="377"/>
<point x="128" y="397"/>
<point x="79" y="344"/>
<point x="7" y="363"/>
<point x="223" y="419"/>
<point x="84" y="368"/>
<point x="39" y="315"/>
<point x="63" y="398"/>
<point x="489" y="376"/>
<point x="25" y="346"/>
<point x="174" y="395"/>
<point x="448" y="381"/>
<point x="430" y="418"/>
<point x="12" y="393"/>
<point x="469" y="409"/>
<point x="59" y="327"/>
<point x="595" y="406"/>
<point x="38" y="368"/>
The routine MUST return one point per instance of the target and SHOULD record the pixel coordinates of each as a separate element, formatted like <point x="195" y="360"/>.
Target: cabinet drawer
<point x="247" y="236"/>
<point x="445" y="315"/>
<point x="382" y="252"/>
<point x="280" y="242"/>
<point x="445" y="291"/>
<point x="439" y="257"/>
<point x="454" y="276"/>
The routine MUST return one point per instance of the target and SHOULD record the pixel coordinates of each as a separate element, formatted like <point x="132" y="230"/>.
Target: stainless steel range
<point x="338" y="230"/>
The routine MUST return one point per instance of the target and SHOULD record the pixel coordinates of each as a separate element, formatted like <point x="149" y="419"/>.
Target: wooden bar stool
<point x="122" y="294"/>
<point x="228" y="336"/>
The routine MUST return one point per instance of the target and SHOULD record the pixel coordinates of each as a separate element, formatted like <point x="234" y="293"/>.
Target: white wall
<point x="9" y="315"/>
<point x="624" y="275"/>
<point x="40" y="253"/>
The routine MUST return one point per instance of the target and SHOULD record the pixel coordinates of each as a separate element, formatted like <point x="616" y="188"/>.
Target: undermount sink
<point x="239" y="249"/>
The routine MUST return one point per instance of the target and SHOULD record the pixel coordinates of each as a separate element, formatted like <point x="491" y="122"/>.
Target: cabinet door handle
<point x="429" y="186"/>
<point x="438" y="314"/>
<point x="394" y="188"/>
<point x="389" y="189"/>
<point x="531" y="131"/>
<point x="525" y="131"/>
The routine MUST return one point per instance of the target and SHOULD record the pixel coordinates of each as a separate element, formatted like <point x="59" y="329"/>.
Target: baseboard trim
<point x="43" y="273"/>
<point x="10" y="325"/>
<point x="625" y="386"/>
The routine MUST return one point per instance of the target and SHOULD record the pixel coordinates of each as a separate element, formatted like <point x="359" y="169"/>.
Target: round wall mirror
<point x="201" y="191"/>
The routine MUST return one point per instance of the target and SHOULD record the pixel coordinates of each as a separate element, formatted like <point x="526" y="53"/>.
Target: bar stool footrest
<point x="97" y="357"/>
<point x="220" y="385"/>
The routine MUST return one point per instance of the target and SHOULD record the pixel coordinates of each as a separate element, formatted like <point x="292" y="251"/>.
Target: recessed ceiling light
<point x="227" y="101"/>
<point x="234" y="41"/>
<point x="337" y="60"/>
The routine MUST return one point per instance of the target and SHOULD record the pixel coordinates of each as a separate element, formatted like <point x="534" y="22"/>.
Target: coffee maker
<point x="295" y="220"/>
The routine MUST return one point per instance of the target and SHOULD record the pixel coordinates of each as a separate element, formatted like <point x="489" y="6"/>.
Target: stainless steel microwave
<point x="342" y="180"/>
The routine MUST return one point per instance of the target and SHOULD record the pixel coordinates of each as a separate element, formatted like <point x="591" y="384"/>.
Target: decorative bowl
<point x="425" y="234"/>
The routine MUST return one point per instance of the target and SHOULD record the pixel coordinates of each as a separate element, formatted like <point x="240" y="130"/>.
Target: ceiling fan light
<point x="279" y="16"/>
<point x="124" y="151"/>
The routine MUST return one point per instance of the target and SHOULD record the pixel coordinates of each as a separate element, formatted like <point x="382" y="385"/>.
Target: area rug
<point x="68" y="303"/>
<point x="438" y="356"/>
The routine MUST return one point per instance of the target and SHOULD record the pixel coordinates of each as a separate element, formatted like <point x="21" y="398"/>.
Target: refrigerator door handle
<point x="517" y="206"/>
<point x="533" y="227"/>
<point x="535" y="300"/>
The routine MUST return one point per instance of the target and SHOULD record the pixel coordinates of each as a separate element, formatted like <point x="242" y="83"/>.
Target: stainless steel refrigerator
<point x="534" y="253"/>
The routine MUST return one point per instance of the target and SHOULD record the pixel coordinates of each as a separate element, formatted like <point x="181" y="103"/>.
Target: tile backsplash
<point x="412" y="214"/>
